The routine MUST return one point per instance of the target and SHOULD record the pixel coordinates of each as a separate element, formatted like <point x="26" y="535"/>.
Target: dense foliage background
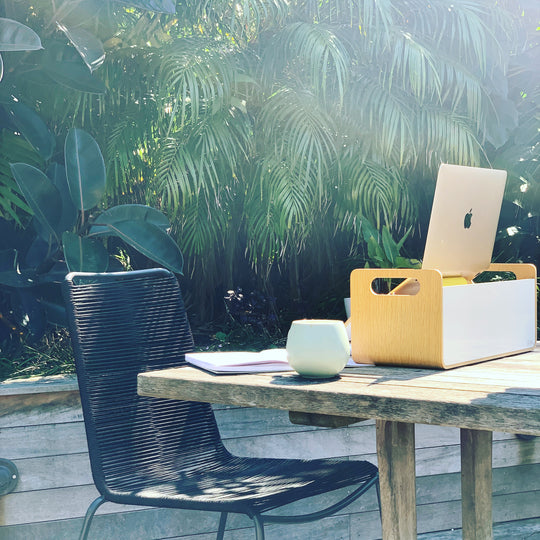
<point x="272" y="133"/>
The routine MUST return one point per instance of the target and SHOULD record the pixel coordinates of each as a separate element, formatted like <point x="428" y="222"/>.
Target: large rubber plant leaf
<point x="88" y="46"/>
<point x="84" y="254"/>
<point x="131" y="212"/>
<point x="9" y="274"/>
<point x="500" y="126"/>
<point x="15" y="36"/>
<point x="32" y="127"/>
<point x="57" y="173"/>
<point x="40" y="250"/>
<point x="43" y="232"/>
<point x="75" y="76"/>
<point x="152" y="242"/>
<point x="158" y="6"/>
<point x="85" y="169"/>
<point x="41" y="195"/>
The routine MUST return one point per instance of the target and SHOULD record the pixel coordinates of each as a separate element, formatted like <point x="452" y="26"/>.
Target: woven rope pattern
<point x="166" y="452"/>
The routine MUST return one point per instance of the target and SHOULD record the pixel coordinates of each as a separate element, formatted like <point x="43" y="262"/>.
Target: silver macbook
<point x="464" y="219"/>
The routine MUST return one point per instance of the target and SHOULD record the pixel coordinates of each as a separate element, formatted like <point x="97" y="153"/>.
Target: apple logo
<point x="467" y="220"/>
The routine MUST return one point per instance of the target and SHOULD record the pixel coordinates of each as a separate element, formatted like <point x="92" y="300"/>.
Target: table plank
<point x="382" y="397"/>
<point x="503" y="384"/>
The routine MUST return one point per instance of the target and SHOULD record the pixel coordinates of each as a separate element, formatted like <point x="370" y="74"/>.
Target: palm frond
<point x="243" y="20"/>
<point x="384" y="119"/>
<point x="377" y="193"/>
<point x="128" y="154"/>
<point x="281" y="213"/>
<point x="465" y="92"/>
<point x="447" y="137"/>
<point x="197" y="78"/>
<point x="202" y="227"/>
<point x="176" y="174"/>
<point x="196" y="161"/>
<point x="200" y="232"/>
<point x="314" y="51"/>
<point x="466" y="29"/>
<point x="414" y="67"/>
<point x="296" y="129"/>
<point x="14" y="149"/>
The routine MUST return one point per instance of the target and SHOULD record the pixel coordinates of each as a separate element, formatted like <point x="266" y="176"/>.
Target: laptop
<point x="463" y="224"/>
<point x="464" y="219"/>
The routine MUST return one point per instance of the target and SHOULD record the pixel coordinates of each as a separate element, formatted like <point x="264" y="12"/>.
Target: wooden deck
<point x="43" y="433"/>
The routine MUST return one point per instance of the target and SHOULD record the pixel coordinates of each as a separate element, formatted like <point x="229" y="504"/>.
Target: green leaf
<point x="503" y="122"/>
<point x="404" y="262"/>
<point x="88" y="46"/>
<point x="133" y="212"/>
<point x="369" y="231"/>
<point x="152" y="242"/>
<point x="74" y="76"/>
<point x="158" y="6"/>
<point x="57" y="174"/>
<point x="40" y="250"/>
<point x="8" y="260"/>
<point x="10" y="275"/>
<point x="15" y="36"/>
<point x="399" y="245"/>
<point x="40" y="193"/>
<point x="32" y="127"/>
<point x="376" y="253"/>
<point x="85" y="169"/>
<point x="84" y="254"/>
<point x="389" y="245"/>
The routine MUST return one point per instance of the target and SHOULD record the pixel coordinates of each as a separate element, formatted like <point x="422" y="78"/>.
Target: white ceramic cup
<point x="318" y="348"/>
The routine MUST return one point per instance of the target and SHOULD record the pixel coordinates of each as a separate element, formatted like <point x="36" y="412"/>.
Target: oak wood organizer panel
<point x="429" y="325"/>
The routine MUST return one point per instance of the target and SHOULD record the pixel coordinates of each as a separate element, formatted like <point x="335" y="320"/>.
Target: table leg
<point x="476" y="484"/>
<point x="395" y="454"/>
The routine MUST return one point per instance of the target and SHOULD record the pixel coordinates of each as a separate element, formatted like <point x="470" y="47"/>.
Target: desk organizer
<point x="442" y="327"/>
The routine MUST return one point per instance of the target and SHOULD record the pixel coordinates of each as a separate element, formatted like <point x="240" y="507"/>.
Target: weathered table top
<point x="498" y="395"/>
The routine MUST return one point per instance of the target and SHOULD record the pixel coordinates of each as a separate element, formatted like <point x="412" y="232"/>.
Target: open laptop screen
<point x="464" y="219"/>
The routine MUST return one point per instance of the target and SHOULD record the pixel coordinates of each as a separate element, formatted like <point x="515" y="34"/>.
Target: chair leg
<point x="378" y="488"/>
<point x="259" y="527"/>
<point x="222" y="523"/>
<point x="89" y="516"/>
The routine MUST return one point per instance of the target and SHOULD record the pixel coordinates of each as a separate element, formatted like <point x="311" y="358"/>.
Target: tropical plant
<point x="383" y="250"/>
<point x="65" y="228"/>
<point x="270" y="130"/>
<point x="355" y="105"/>
<point x="14" y="36"/>
<point x="519" y="238"/>
<point x="68" y="231"/>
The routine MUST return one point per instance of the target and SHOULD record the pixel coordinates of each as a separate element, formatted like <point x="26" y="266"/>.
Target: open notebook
<point x="269" y="360"/>
<point x="240" y="361"/>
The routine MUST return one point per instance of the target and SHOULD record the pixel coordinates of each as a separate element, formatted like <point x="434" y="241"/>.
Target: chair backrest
<point x="122" y="324"/>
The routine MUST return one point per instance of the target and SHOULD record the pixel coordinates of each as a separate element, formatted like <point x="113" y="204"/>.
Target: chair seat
<point x="169" y="453"/>
<point x="244" y="484"/>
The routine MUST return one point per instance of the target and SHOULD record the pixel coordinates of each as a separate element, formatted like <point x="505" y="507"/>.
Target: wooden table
<point x="499" y="395"/>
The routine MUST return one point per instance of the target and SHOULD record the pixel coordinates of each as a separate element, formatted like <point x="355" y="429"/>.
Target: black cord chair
<point x="168" y="453"/>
